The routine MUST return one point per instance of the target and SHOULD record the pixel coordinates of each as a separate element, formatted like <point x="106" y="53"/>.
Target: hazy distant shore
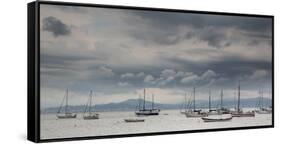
<point x="132" y="104"/>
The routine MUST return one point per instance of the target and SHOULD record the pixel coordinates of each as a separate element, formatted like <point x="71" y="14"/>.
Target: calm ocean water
<point x="112" y="123"/>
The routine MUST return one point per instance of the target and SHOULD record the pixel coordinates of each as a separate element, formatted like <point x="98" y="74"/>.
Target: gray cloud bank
<point x="118" y="52"/>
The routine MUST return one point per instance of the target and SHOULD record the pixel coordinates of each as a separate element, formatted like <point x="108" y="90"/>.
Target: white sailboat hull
<point x="217" y="118"/>
<point x="66" y="116"/>
<point x="195" y="114"/>
<point x="91" y="116"/>
<point x="263" y="111"/>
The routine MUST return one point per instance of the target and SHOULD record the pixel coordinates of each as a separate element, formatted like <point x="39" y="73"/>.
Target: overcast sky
<point x="117" y="53"/>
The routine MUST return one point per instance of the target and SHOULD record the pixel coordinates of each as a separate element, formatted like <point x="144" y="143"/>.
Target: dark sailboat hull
<point x="194" y="115"/>
<point x="147" y="112"/>
<point x="133" y="120"/>
<point x="243" y="114"/>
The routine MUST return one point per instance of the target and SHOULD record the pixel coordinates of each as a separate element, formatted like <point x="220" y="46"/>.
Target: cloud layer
<point x="118" y="52"/>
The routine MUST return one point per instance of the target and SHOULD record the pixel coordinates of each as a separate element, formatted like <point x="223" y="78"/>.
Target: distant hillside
<point x="132" y="104"/>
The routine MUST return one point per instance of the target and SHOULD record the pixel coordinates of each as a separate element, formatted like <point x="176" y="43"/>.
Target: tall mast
<point x="262" y="99"/>
<point x="194" y="99"/>
<point x="234" y="100"/>
<point x="238" y="106"/>
<point x="90" y="106"/>
<point x="210" y="100"/>
<point x="139" y="102"/>
<point x="143" y="107"/>
<point x="221" y="99"/>
<point x="259" y="99"/>
<point x="66" y="101"/>
<point x="185" y="103"/>
<point x="152" y="104"/>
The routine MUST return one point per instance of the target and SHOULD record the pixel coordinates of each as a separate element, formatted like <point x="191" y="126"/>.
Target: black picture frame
<point x="33" y="106"/>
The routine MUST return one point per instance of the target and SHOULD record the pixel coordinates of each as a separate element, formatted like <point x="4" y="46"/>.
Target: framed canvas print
<point x="103" y="71"/>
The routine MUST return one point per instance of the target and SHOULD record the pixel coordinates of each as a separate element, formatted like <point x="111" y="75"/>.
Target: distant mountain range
<point x="132" y="104"/>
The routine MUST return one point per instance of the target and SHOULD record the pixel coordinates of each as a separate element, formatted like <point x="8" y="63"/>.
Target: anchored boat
<point x="147" y="112"/>
<point x="261" y="109"/>
<point x="184" y="107"/>
<point x="239" y="112"/>
<point x="218" y="115"/>
<point x="67" y="114"/>
<point x="89" y="114"/>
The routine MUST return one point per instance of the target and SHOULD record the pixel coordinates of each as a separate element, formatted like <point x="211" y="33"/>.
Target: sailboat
<point x="239" y="112"/>
<point x="88" y="113"/>
<point x="146" y="112"/>
<point x="184" y="105"/>
<point x="194" y="112"/>
<point x="66" y="114"/>
<point x="222" y="109"/>
<point x="219" y="115"/>
<point x="261" y="109"/>
<point x="211" y="111"/>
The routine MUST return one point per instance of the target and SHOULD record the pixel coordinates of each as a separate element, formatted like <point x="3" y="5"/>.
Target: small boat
<point x="217" y="118"/>
<point x="88" y="112"/>
<point x="147" y="112"/>
<point x="134" y="120"/>
<point x="66" y="114"/>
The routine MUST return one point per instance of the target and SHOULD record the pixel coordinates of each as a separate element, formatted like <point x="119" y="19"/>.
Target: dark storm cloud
<point x="161" y="37"/>
<point x="166" y="27"/>
<point x="63" y="61"/>
<point x="213" y="38"/>
<point x="56" y="26"/>
<point x="169" y="20"/>
<point x="237" y="68"/>
<point x="229" y="67"/>
<point x="258" y="35"/>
